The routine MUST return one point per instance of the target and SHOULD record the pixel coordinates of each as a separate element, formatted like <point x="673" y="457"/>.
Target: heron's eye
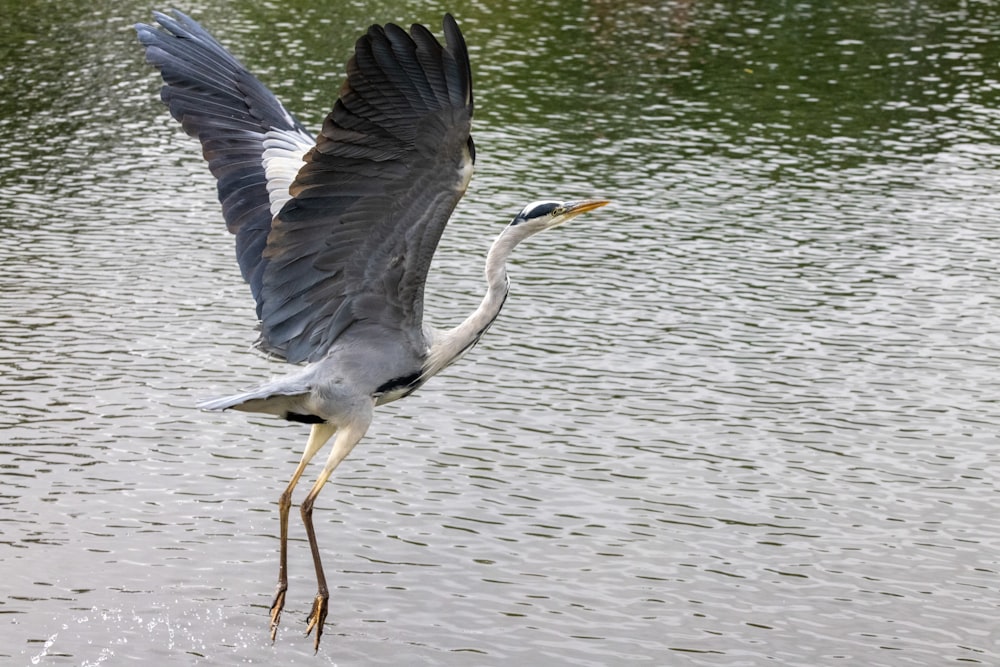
<point x="558" y="210"/>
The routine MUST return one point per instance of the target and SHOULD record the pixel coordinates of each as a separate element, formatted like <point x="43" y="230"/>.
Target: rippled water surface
<point x="748" y="415"/>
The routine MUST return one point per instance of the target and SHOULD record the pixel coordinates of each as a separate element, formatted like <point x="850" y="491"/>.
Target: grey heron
<point x="335" y="234"/>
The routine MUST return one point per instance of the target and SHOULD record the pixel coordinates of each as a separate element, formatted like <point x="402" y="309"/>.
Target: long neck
<point x="452" y="344"/>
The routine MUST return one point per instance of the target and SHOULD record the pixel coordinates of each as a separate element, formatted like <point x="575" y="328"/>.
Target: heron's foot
<point x="317" y="617"/>
<point x="276" y="607"/>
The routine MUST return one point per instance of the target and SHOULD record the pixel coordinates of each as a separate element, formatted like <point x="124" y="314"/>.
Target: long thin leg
<point x="347" y="437"/>
<point x="317" y="438"/>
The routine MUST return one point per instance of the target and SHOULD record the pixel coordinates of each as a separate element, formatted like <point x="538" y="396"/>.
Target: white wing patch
<point x="284" y="151"/>
<point x="468" y="166"/>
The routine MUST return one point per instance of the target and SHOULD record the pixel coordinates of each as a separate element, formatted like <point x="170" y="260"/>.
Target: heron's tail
<point x="234" y="401"/>
<point x="280" y="398"/>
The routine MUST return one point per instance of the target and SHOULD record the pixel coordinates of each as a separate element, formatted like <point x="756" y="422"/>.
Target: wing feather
<point x="341" y="231"/>
<point x="238" y="122"/>
<point x="354" y="243"/>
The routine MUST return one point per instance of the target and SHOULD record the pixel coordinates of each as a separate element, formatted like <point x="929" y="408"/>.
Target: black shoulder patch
<point x="402" y="382"/>
<point x="303" y="418"/>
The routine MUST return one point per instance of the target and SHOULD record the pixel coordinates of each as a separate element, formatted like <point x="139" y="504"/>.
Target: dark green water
<point x="748" y="415"/>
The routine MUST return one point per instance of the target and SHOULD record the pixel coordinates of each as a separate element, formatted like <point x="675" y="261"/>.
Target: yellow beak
<point x="577" y="207"/>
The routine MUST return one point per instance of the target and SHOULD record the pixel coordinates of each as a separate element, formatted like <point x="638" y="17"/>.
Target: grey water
<point x="748" y="414"/>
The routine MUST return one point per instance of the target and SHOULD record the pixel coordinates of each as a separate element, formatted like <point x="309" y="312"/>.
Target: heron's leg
<point x="317" y="438"/>
<point x="347" y="437"/>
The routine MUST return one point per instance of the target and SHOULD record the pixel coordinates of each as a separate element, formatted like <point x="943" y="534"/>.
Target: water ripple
<point x="746" y="414"/>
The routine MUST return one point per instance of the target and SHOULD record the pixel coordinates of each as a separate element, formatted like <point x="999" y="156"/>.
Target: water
<point x="747" y="415"/>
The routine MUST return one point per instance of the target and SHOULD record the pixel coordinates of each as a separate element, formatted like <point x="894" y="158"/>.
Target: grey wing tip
<point x="176" y="22"/>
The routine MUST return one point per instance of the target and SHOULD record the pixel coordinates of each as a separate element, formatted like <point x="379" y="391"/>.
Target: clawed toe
<point x="276" y="607"/>
<point x="317" y="617"/>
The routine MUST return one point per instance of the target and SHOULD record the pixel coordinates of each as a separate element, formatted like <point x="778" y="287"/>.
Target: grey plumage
<point x="354" y="243"/>
<point x="354" y="240"/>
<point x="335" y="235"/>
<point x="221" y="104"/>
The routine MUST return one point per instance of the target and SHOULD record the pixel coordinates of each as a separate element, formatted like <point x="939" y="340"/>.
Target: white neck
<point x="449" y="345"/>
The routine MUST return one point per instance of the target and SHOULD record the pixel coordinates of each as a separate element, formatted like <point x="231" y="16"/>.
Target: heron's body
<point x="373" y="364"/>
<point x="335" y="235"/>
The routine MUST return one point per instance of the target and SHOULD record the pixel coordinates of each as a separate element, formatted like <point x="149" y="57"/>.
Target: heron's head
<point x="541" y="215"/>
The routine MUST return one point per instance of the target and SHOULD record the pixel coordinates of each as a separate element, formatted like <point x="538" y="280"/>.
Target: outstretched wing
<point x="355" y="241"/>
<point x="253" y="146"/>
